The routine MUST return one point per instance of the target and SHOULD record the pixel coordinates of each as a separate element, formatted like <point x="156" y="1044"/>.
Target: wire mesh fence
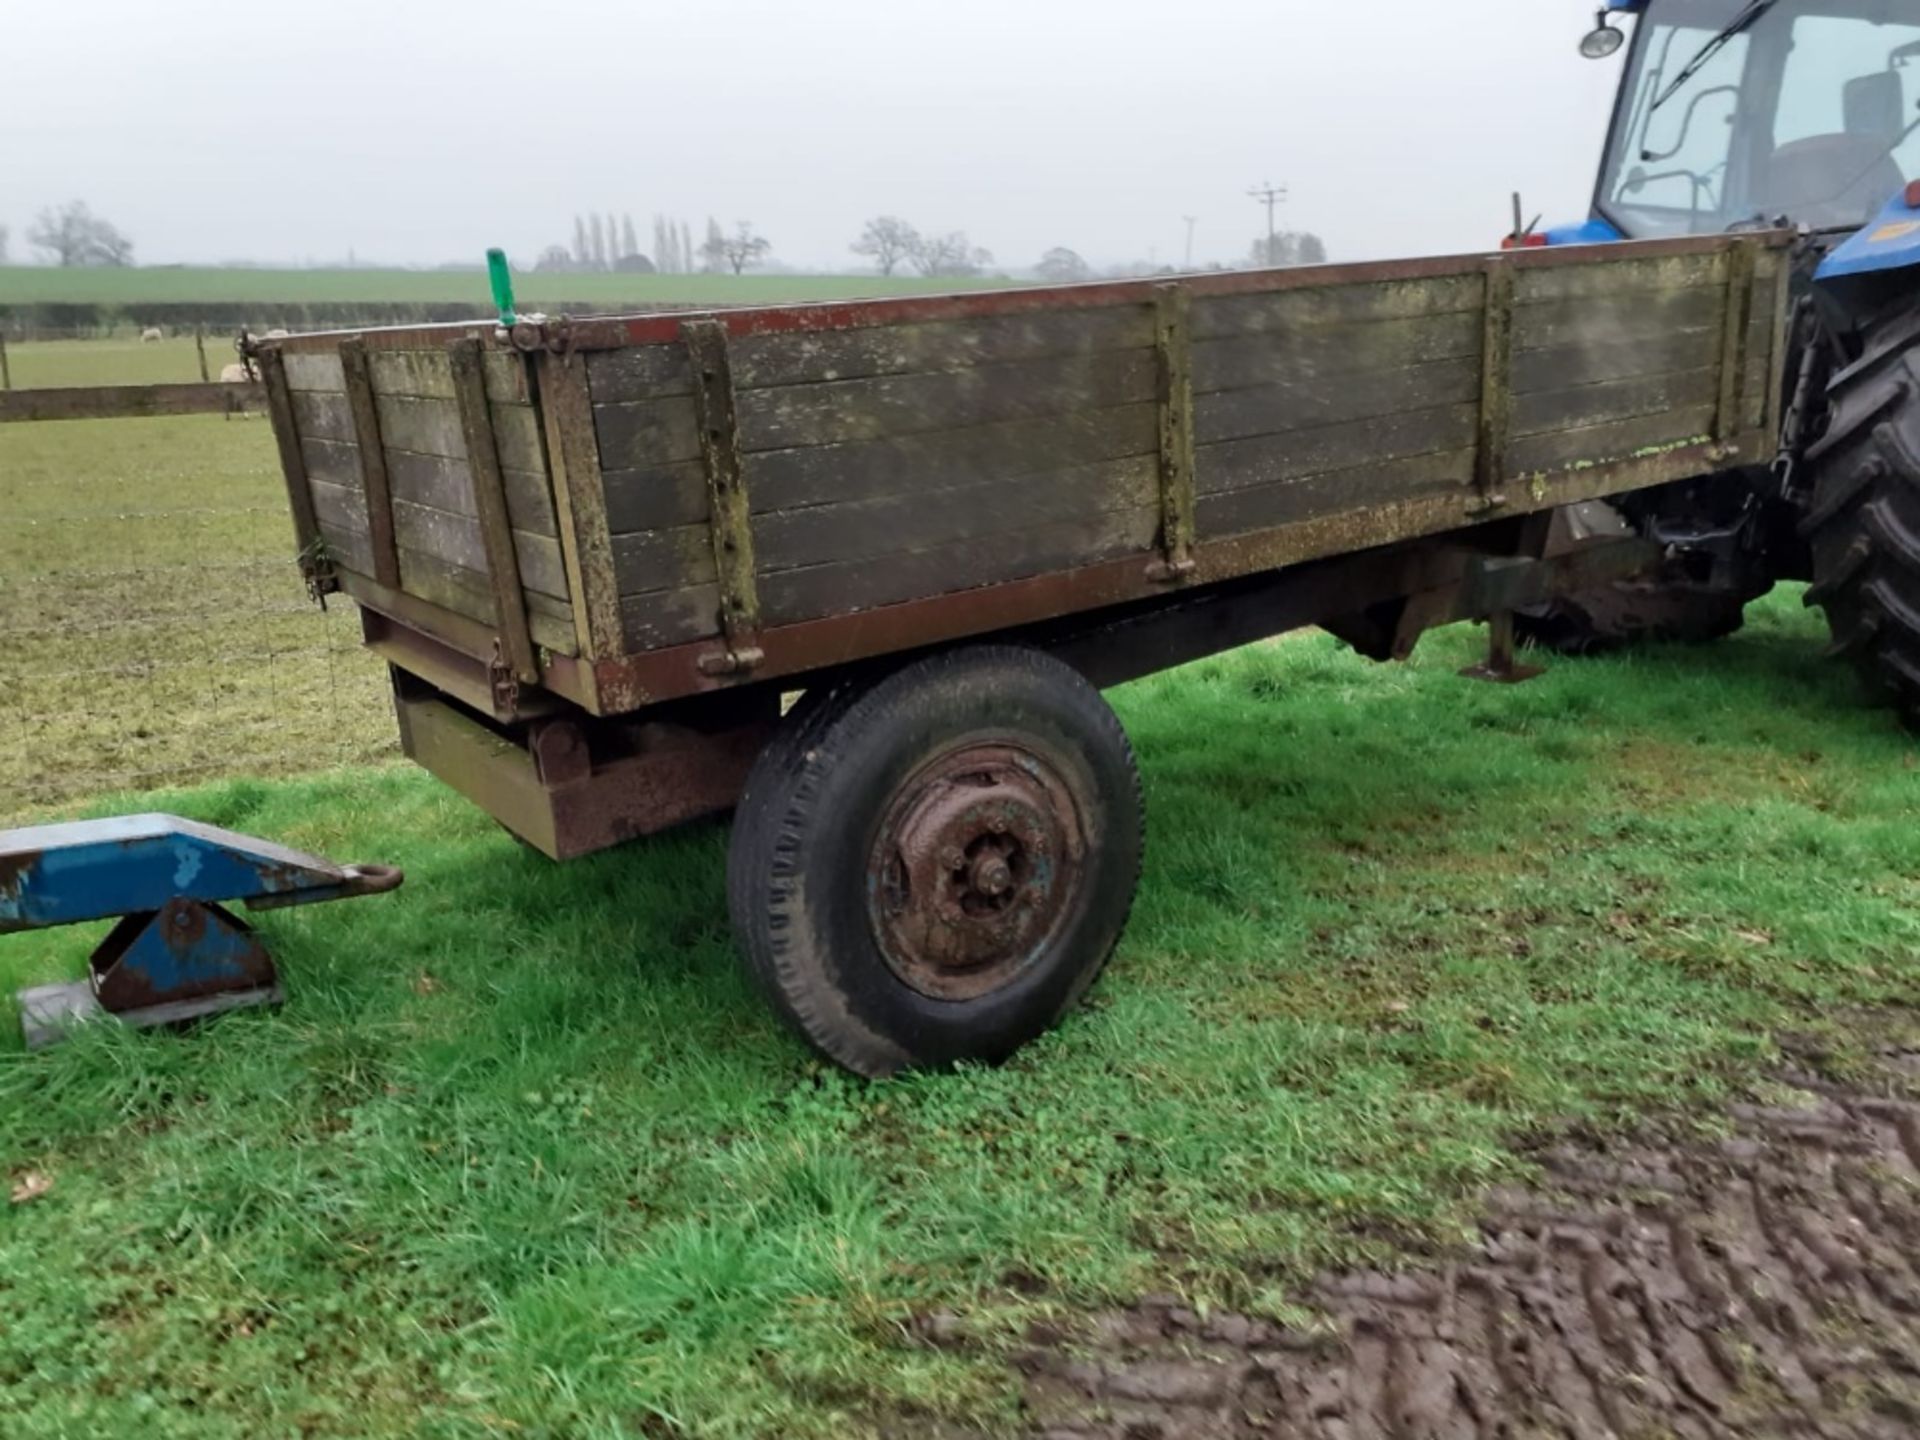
<point x="153" y="627"/>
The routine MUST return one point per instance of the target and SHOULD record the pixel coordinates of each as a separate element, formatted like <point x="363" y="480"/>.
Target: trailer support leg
<point x="1500" y="667"/>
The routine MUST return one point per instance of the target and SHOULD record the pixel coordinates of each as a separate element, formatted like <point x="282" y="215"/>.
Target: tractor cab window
<point x="1807" y="112"/>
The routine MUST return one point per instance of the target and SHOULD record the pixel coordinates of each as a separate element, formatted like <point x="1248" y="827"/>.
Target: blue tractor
<point x="1753" y="114"/>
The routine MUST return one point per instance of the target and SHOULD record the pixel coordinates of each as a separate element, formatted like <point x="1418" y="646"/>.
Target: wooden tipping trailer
<point x="596" y="553"/>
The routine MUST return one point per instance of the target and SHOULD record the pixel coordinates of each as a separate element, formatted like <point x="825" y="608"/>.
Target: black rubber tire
<point x="1863" y="521"/>
<point x="1628" y="612"/>
<point x="806" y="826"/>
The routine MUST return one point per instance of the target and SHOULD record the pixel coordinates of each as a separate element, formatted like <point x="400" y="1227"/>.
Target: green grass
<point x="524" y="1155"/>
<point x="39" y="285"/>
<point x="152" y="620"/>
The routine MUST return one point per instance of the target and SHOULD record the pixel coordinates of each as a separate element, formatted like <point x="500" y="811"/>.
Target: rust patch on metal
<point x="976" y="864"/>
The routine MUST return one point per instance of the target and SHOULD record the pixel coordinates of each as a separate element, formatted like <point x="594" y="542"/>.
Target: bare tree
<point x="74" y="235"/>
<point x="713" y="250"/>
<point x="1062" y="266"/>
<point x="664" y="256"/>
<point x="736" y="251"/>
<point x="949" y="254"/>
<point x="555" y="259"/>
<point x="596" y="241"/>
<point x="888" y="240"/>
<point x="581" y="255"/>
<point x="684" y="250"/>
<point x="4" y="234"/>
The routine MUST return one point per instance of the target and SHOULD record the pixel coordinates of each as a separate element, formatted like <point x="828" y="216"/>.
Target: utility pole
<point x="1189" y="261"/>
<point x="1270" y="195"/>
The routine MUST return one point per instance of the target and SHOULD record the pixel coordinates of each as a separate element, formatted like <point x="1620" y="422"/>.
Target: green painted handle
<point x="502" y="280"/>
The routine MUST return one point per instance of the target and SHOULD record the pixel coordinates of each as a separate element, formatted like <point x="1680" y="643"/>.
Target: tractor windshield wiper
<point x="1755" y="9"/>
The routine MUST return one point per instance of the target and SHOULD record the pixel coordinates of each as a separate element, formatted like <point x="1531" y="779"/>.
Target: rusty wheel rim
<point x="974" y="870"/>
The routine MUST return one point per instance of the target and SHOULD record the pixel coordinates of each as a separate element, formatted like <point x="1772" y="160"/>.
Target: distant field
<point x="187" y="285"/>
<point x="48" y="364"/>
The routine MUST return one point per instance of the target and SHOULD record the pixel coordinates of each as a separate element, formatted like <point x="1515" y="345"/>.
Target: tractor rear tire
<point x="933" y="865"/>
<point x="1863" y="522"/>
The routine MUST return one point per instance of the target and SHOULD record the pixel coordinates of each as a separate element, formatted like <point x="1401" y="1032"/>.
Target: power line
<point x="1270" y="195"/>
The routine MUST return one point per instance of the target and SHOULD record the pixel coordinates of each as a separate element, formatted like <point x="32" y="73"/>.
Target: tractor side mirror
<point x="1601" y="41"/>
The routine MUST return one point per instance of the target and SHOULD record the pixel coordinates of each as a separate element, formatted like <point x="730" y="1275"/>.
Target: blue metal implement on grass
<point x="177" y="952"/>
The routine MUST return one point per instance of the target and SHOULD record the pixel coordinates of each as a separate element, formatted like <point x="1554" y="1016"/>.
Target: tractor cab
<point x="1747" y="113"/>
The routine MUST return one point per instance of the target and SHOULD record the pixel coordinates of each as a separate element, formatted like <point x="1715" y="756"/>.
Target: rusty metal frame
<point x="730" y="516"/>
<point x="1737" y="319"/>
<point x="365" y="414"/>
<point x="517" y="657"/>
<point x="1496" y="387"/>
<point x="1173" y="352"/>
<point x="315" y="567"/>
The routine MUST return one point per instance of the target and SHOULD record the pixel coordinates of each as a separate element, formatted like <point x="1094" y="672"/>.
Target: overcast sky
<point x="425" y="130"/>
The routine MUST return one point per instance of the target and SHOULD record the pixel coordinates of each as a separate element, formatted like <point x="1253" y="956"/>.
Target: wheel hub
<point x="975" y="864"/>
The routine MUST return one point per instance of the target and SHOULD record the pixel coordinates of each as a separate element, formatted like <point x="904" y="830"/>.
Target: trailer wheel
<point x="934" y="866"/>
<point x="1863" y="523"/>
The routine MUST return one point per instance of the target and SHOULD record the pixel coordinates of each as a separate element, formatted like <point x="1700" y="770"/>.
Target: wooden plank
<point x="657" y="498"/>
<point x="128" y="402"/>
<point x="323" y="416"/>
<point x="293" y="468"/>
<point x="1548" y="410"/>
<point x="489" y="493"/>
<point x="1309" y="403"/>
<point x="580" y="506"/>
<point x="1173" y="354"/>
<point x="871" y="529"/>
<point x="433" y="427"/>
<point x="850" y="586"/>
<point x="470" y="593"/>
<point x="315" y="370"/>
<point x="1266" y="507"/>
<point x="1601" y="279"/>
<point x="915" y="464"/>
<point x="1268" y="459"/>
<point x="1287" y="311"/>
<point x="639" y="434"/>
<point x="460" y="540"/>
<point x="340" y="508"/>
<point x="1496" y="383"/>
<point x="1616" y="440"/>
<point x="425" y="375"/>
<point x="835" y="411"/>
<point x="445" y="484"/>
<point x="670" y="617"/>
<point x="1363" y="349"/>
<point x="1566" y="366"/>
<point x="729" y="516"/>
<point x="334" y="461"/>
<point x="638" y="372"/>
<point x="373" y="461"/>
<point x="1738" y="309"/>
<point x="766" y="361"/>
<point x="344" y="549"/>
<point x="1611" y="320"/>
<point x="665" y="559"/>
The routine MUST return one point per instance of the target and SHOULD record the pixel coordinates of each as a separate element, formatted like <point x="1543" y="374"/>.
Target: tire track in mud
<point x="1764" y="1285"/>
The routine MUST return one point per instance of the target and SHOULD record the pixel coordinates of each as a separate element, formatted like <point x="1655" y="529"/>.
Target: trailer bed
<point x="622" y="511"/>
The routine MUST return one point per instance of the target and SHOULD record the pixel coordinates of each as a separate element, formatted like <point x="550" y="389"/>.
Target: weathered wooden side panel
<point x="880" y="461"/>
<point x="440" y="552"/>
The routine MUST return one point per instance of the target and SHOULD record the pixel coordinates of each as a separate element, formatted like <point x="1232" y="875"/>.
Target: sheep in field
<point x="237" y="374"/>
<point x="151" y="335"/>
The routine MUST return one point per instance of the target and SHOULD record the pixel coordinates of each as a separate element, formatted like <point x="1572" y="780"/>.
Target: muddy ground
<point x="1766" y="1283"/>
